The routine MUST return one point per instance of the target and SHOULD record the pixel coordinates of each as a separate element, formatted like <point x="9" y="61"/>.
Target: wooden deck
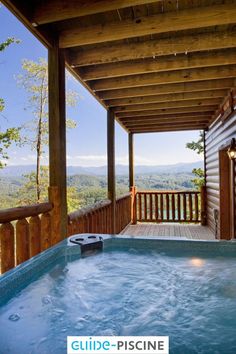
<point x="191" y="231"/>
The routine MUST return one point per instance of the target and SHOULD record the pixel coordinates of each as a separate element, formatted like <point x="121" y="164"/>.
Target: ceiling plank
<point x="196" y="60"/>
<point x="167" y="89"/>
<point x="152" y="48"/>
<point x="167" y="105"/>
<point x="58" y="10"/>
<point x="193" y="18"/>
<point x="151" y="123"/>
<point x="167" y="98"/>
<point x="197" y="115"/>
<point x="167" y="111"/>
<point x="166" y="129"/>
<point x="168" y="77"/>
<point x="144" y="126"/>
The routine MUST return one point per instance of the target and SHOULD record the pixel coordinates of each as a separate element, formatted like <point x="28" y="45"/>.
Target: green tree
<point x="35" y="81"/>
<point x="27" y="193"/>
<point x="198" y="146"/>
<point x="10" y="135"/>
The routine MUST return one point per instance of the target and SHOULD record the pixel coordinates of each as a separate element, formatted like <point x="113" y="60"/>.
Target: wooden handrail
<point x="18" y="213"/>
<point x="168" y="206"/>
<point x="84" y="211"/>
<point x="168" y="192"/>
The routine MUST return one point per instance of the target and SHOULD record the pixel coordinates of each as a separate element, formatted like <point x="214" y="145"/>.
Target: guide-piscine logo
<point x="118" y="345"/>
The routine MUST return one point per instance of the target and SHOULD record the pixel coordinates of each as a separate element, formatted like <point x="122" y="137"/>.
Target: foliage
<point x="8" y="42"/>
<point x="84" y="190"/>
<point x="35" y="82"/>
<point x="11" y="135"/>
<point x="198" y="146"/>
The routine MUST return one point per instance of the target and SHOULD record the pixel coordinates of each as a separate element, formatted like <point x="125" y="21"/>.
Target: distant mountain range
<point x="19" y="170"/>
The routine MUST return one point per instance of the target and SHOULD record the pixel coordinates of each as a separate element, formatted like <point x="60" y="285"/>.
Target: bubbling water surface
<point x="192" y="300"/>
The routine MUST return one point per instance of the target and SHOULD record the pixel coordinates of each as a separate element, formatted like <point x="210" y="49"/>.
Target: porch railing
<point x="24" y="232"/>
<point x="97" y="218"/>
<point x="168" y="206"/>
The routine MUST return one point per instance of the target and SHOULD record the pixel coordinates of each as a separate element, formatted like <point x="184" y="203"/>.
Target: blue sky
<point x="86" y="144"/>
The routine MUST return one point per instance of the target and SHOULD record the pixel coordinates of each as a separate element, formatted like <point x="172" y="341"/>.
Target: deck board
<point x="192" y="231"/>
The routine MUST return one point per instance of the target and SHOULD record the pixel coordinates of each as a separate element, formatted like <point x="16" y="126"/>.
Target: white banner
<point x="117" y="345"/>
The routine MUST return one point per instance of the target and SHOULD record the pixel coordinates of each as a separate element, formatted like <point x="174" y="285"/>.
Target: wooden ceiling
<point x="163" y="65"/>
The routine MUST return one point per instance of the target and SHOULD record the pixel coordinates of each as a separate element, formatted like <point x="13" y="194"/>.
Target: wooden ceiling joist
<point x="166" y="129"/>
<point x="196" y="60"/>
<point x="168" y="111"/>
<point x="58" y="10"/>
<point x="173" y="117"/>
<point x="167" y="105"/>
<point x="177" y="76"/>
<point x="151" y="48"/>
<point x="167" y="89"/>
<point x="165" y="22"/>
<point x="185" y="96"/>
<point x="160" y="122"/>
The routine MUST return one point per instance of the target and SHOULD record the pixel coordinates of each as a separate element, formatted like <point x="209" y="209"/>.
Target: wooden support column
<point x="111" y="167"/>
<point x="57" y="142"/>
<point x="131" y="160"/>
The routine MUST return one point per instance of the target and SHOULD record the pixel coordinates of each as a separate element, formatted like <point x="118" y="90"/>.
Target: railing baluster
<point x="173" y="207"/>
<point x="190" y="207"/>
<point x="167" y="207"/>
<point x="156" y="207"/>
<point x="7" y="247"/>
<point x="45" y="231"/>
<point x="178" y="207"/>
<point x="196" y="206"/>
<point x="145" y="207"/>
<point x="34" y="235"/>
<point x="151" y="210"/>
<point x="22" y="241"/>
<point x="184" y="207"/>
<point x="162" y="207"/>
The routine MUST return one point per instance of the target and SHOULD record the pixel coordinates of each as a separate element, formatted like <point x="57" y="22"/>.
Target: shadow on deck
<point x="195" y="232"/>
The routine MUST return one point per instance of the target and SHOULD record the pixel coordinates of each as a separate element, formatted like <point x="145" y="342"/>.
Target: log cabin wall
<point x="218" y="135"/>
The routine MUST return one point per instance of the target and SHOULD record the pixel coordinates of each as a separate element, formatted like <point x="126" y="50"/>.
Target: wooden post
<point x="232" y="199"/>
<point x="57" y="139"/>
<point x="111" y="167"/>
<point x="133" y="206"/>
<point x="204" y="155"/>
<point x="131" y="160"/>
<point x="203" y="206"/>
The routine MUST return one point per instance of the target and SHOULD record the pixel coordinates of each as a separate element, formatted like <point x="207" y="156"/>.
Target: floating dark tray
<point x="88" y="242"/>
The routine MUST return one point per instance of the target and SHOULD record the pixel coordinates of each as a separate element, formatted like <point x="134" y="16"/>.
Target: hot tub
<point x="136" y="286"/>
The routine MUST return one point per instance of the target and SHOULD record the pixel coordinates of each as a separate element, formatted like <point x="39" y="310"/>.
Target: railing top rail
<point x="18" y="213"/>
<point x="82" y="212"/>
<point x="168" y="192"/>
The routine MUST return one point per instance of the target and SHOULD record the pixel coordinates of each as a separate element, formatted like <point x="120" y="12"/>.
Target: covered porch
<point x="150" y="78"/>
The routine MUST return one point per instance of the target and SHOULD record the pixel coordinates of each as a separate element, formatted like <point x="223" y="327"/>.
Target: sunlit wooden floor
<point x="191" y="231"/>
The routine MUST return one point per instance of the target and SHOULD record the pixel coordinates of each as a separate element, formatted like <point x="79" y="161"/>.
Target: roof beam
<point x="167" y="111"/>
<point x="58" y="10"/>
<point x="199" y="17"/>
<point x="177" y="76"/>
<point x="204" y="59"/>
<point x="167" y="89"/>
<point x="166" y="129"/>
<point x="167" y="105"/>
<point x="161" y="125"/>
<point x="152" y="48"/>
<point x="161" y="122"/>
<point x="177" y="116"/>
<point x="182" y="96"/>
